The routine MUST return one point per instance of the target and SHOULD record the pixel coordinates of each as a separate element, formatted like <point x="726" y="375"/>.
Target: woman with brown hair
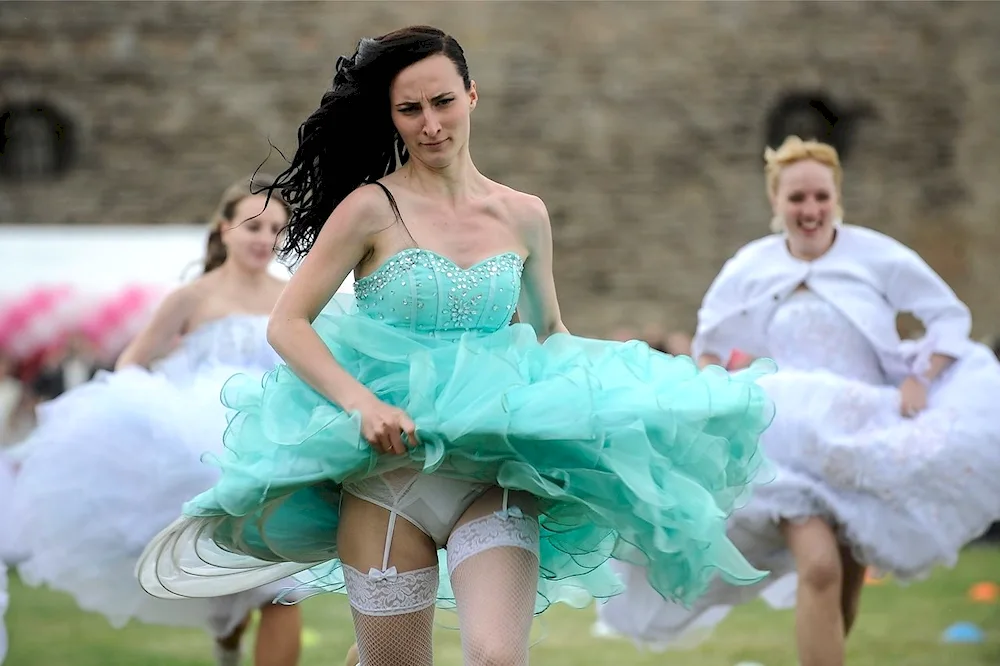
<point x="418" y="449"/>
<point x="112" y="461"/>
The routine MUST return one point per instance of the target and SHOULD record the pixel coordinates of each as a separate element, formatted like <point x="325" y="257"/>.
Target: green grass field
<point x="899" y="626"/>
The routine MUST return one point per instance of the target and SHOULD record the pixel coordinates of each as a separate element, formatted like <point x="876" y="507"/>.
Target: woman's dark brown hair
<point x="350" y="139"/>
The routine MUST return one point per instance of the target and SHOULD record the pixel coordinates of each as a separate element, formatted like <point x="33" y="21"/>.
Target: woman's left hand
<point x="912" y="397"/>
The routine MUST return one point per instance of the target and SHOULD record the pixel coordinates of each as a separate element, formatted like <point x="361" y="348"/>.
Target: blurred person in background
<point x="414" y="431"/>
<point x="79" y="361"/>
<point x="49" y="381"/>
<point x="11" y="396"/>
<point x="887" y="451"/>
<point x="675" y="343"/>
<point x="7" y="546"/>
<point x="655" y="336"/>
<point x="113" y="460"/>
<point x="624" y="334"/>
<point x="678" y="342"/>
<point x="993" y="534"/>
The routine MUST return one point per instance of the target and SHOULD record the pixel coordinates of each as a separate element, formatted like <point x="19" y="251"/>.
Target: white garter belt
<point x="433" y="504"/>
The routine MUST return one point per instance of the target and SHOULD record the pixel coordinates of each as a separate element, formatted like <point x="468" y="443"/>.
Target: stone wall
<point x="641" y="124"/>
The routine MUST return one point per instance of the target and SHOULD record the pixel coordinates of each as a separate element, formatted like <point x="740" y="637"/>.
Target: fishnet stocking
<point x="493" y="564"/>
<point x="393" y="615"/>
<point x="395" y="640"/>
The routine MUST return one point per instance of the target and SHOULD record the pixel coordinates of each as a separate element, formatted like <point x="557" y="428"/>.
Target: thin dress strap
<point x="396" y="213"/>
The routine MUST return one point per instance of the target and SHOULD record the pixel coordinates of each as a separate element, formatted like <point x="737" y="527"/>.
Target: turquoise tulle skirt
<point x="632" y="454"/>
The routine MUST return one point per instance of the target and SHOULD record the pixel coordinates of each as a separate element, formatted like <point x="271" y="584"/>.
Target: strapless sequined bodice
<point x="233" y="341"/>
<point x="422" y="291"/>
<point x="808" y="333"/>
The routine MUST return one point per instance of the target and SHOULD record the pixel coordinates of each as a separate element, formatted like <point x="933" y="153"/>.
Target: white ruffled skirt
<point x="110" y="465"/>
<point x="905" y="494"/>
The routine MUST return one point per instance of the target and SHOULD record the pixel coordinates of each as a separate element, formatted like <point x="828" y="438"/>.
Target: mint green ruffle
<point x="632" y="454"/>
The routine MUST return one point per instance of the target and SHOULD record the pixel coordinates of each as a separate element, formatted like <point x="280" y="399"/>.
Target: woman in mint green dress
<point x="417" y="449"/>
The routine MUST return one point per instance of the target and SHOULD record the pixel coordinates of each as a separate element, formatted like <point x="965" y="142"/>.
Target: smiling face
<point x="250" y="236"/>
<point x="807" y="203"/>
<point x="431" y="110"/>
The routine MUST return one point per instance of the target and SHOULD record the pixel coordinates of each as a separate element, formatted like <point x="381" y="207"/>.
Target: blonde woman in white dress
<point x="887" y="451"/>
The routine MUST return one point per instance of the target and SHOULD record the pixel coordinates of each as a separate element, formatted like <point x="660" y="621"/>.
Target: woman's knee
<point x="817" y="554"/>
<point x="819" y="569"/>
<point x="490" y="648"/>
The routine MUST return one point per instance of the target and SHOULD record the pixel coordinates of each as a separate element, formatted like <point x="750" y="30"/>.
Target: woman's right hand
<point x="384" y="427"/>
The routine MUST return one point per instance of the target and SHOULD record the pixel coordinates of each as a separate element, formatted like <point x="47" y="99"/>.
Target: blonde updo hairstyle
<point x="215" y="250"/>
<point x="793" y="150"/>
